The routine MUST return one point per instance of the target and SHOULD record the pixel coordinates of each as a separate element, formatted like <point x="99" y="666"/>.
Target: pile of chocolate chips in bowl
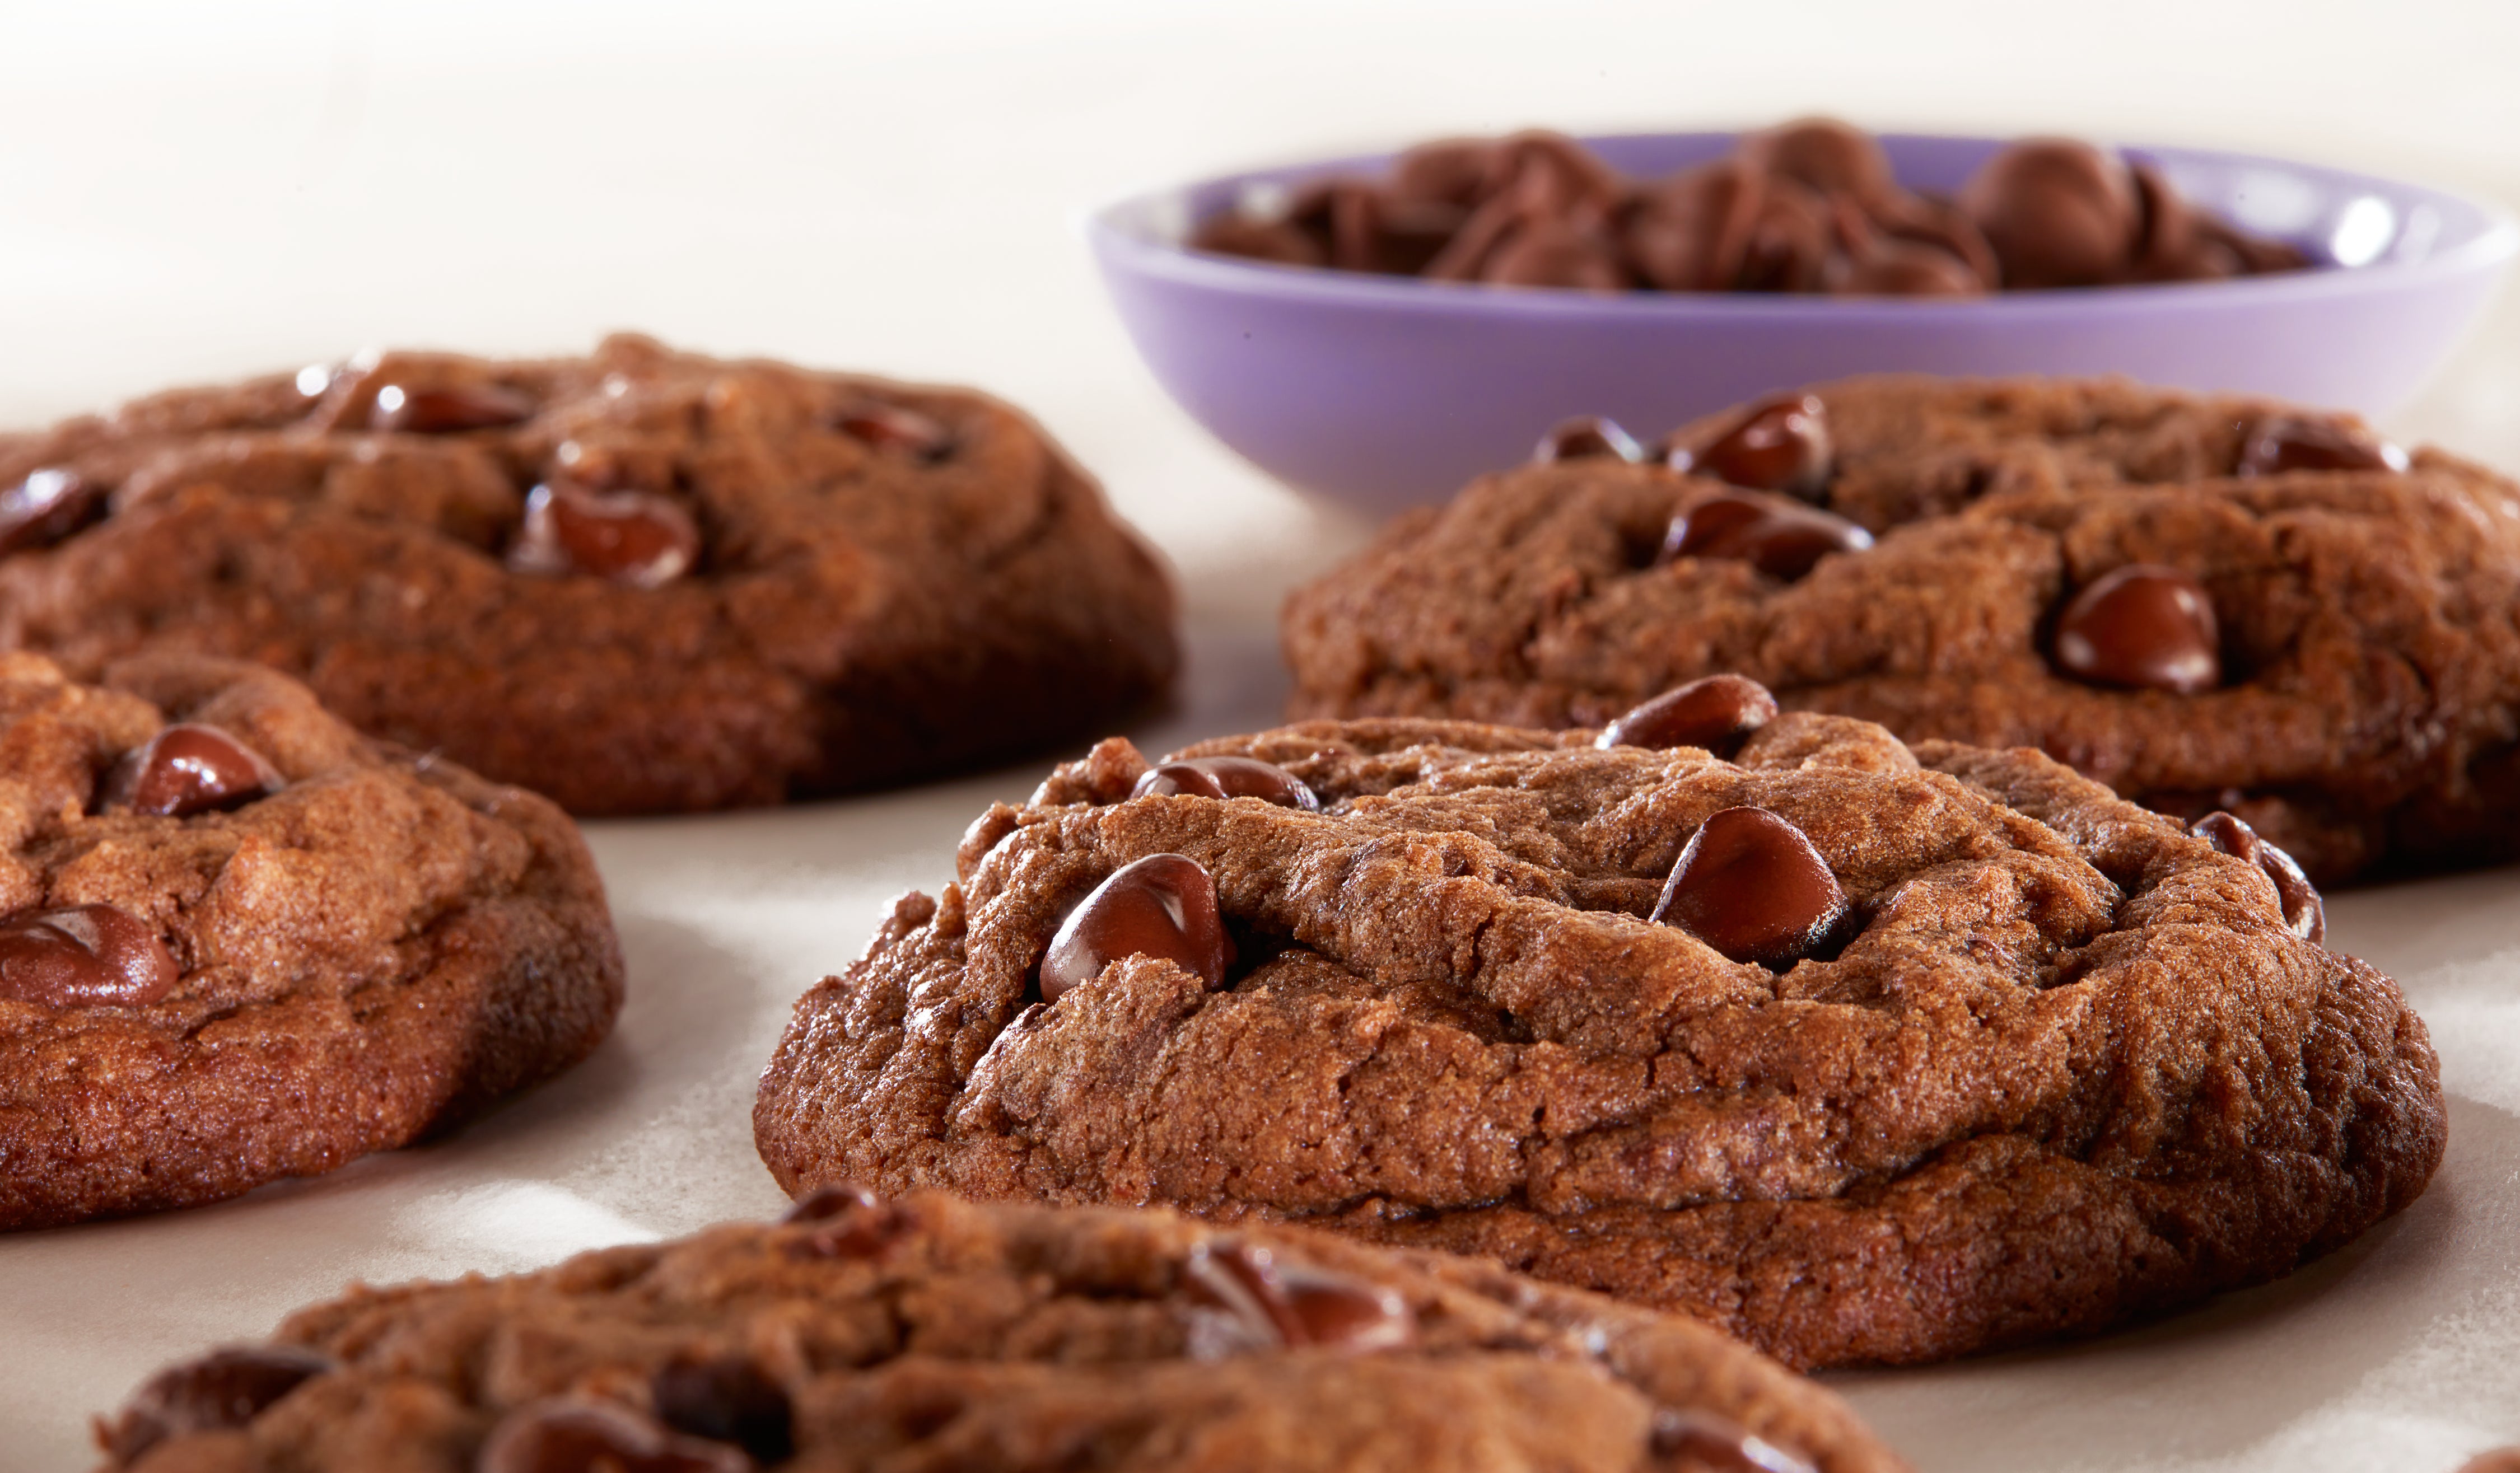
<point x="1810" y="207"/>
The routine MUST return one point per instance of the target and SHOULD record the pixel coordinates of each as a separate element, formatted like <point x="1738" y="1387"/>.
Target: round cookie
<point x="2353" y="688"/>
<point x="1860" y="1052"/>
<point x="930" y="1334"/>
<point x="640" y="581"/>
<point x="241" y="942"/>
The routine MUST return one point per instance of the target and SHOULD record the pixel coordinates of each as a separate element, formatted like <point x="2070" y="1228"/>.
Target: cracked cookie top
<point x="1862" y="1053"/>
<point x="634" y="581"/>
<point x="238" y="941"/>
<point x="927" y="1332"/>
<point x="2322" y="636"/>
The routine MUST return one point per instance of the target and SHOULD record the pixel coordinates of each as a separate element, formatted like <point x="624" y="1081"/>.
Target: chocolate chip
<point x="1790" y="241"/>
<point x="221" y="1390"/>
<point x="1781" y="538"/>
<point x="411" y="408"/>
<point x="573" y="1436"/>
<point x="1701" y="1442"/>
<point x="2280" y="443"/>
<point x="1825" y="155"/>
<point x="2058" y="213"/>
<point x="727" y="1400"/>
<point x="1161" y="905"/>
<point x="1550" y="253"/>
<point x="83" y="956"/>
<point x="1228" y="778"/>
<point x="906" y="431"/>
<point x="2303" y="910"/>
<point x="1892" y="267"/>
<point x="1285" y="1304"/>
<point x="627" y="536"/>
<point x="1690" y="232"/>
<point x="847" y="1222"/>
<point x="190" y="768"/>
<point x="46" y="507"/>
<point x="1586" y="437"/>
<point x="1718" y="713"/>
<point x="1781" y="444"/>
<point x="2144" y="627"/>
<point x="1752" y="886"/>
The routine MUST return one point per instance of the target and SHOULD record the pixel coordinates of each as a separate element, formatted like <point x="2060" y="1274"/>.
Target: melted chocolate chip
<point x="1586" y="437"/>
<point x="1718" y="713"/>
<point x="221" y="1390"/>
<point x="2285" y="442"/>
<point x="190" y="768"/>
<point x="83" y="956"/>
<point x="1752" y="886"/>
<point x="1228" y="778"/>
<point x="413" y="410"/>
<point x="2143" y="627"/>
<point x="1279" y="1304"/>
<point x="905" y="432"/>
<point x="1781" y="444"/>
<point x="2303" y="910"/>
<point x="2058" y="213"/>
<point x="847" y="1222"/>
<point x="46" y="507"/>
<point x="727" y="1400"/>
<point x="572" y="1436"/>
<point x="627" y="536"/>
<point x="1701" y="1442"/>
<point x="1781" y="538"/>
<point x="1161" y="905"/>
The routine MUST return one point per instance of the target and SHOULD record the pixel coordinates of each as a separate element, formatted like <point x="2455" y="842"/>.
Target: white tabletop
<point x="189" y="192"/>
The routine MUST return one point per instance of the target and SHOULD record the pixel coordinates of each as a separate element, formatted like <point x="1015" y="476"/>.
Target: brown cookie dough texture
<point x="932" y="1333"/>
<point x="372" y="952"/>
<point x="2368" y="710"/>
<point x="2072" y="1068"/>
<point x="891" y="580"/>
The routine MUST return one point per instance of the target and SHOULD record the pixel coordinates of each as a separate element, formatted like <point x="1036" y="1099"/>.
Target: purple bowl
<point x="1385" y="392"/>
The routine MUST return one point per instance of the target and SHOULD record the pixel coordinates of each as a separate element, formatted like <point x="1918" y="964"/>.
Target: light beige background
<point x="192" y="191"/>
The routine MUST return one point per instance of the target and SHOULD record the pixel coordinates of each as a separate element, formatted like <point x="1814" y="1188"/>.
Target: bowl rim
<point x="1116" y="234"/>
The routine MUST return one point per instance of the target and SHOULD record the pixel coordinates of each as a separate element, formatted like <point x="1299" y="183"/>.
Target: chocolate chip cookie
<point x="930" y="1334"/>
<point x="240" y="942"/>
<point x="639" y="581"/>
<point x="2205" y="602"/>
<point x="1862" y="1052"/>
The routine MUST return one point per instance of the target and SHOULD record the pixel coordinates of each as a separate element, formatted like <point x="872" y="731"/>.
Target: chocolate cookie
<point x="1864" y="1054"/>
<point x="639" y="581"/>
<point x="930" y="1334"/>
<point x="2205" y="602"/>
<point x="241" y="942"/>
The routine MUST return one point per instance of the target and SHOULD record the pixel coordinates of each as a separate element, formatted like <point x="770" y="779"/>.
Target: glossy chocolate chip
<point x="1161" y="905"/>
<point x="1718" y="713"/>
<point x="221" y="1390"/>
<point x="1293" y="1303"/>
<point x="2058" y="213"/>
<point x="1781" y="538"/>
<point x="412" y="409"/>
<point x="1228" y="778"/>
<point x="2143" y="627"/>
<point x="1701" y="1442"/>
<point x="46" y="507"/>
<point x="1586" y="437"/>
<point x="575" y="1435"/>
<point x="1781" y="444"/>
<point x="727" y="1400"/>
<point x="627" y="536"/>
<point x="2303" y="910"/>
<point x="83" y="956"/>
<point x="846" y="1221"/>
<point x="905" y="432"/>
<point x="190" y="768"/>
<point x="1752" y="886"/>
<point x="2284" y="442"/>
